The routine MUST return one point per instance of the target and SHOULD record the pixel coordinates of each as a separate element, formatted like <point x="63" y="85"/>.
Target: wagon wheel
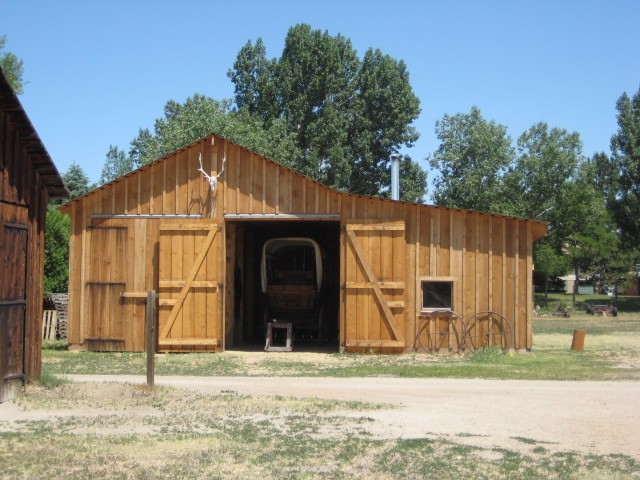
<point x="441" y="332"/>
<point x="489" y="329"/>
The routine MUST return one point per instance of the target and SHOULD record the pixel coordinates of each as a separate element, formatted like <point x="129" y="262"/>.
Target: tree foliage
<point x="77" y="180"/>
<point x="345" y="115"/>
<point x="198" y="116"/>
<point x="12" y="67"/>
<point x="624" y="201"/>
<point x="56" y="258"/>
<point x="472" y="159"/>
<point x="56" y="251"/>
<point x="116" y="164"/>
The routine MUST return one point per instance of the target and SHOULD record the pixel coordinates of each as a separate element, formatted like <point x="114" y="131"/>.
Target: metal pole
<point x="395" y="176"/>
<point x="151" y="310"/>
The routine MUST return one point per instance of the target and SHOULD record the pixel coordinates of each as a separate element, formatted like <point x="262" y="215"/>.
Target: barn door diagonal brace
<point x="388" y="316"/>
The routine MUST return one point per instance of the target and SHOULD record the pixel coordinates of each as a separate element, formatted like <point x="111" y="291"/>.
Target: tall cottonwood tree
<point x="624" y="201"/>
<point x="346" y="115"/>
<point x="199" y="116"/>
<point x="473" y="157"/>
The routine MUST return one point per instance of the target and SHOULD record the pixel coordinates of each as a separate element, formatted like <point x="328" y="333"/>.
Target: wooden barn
<point x="29" y="180"/>
<point x="238" y="241"/>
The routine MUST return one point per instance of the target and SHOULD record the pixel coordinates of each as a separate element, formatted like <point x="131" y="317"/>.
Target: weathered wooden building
<point x="29" y="180"/>
<point x="164" y="227"/>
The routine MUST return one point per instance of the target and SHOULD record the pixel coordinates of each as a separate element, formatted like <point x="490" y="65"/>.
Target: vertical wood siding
<point x="23" y="202"/>
<point x="488" y="258"/>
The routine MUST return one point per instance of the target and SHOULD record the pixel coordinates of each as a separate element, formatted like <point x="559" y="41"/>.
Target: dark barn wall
<point x="29" y="178"/>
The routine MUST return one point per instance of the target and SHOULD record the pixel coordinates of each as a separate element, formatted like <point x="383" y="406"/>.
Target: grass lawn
<point x="612" y="352"/>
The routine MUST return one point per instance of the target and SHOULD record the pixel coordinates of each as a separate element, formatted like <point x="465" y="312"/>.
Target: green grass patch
<point x="50" y="380"/>
<point x="625" y="303"/>
<point x="612" y="352"/>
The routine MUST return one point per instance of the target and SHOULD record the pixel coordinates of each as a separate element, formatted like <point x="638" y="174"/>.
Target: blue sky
<point x="100" y="70"/>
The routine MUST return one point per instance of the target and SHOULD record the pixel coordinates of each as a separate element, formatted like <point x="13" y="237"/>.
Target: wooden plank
<point x="444" y="245"/>
<point x="382" y="285"/>
<point x="164" y="227"/>
<point x="388" y="315"/>
<point x="435" y="241"/>
<point x="181" y="283"/>
<point x="169" y="187"/>
<point x="173" y="342"/>
<point x="375" y="343"/>
<point x="388" y="226"/>
<point x="497" y="248"/>
<point x="456" y="260"/>
<point x="396" y="304"/>
<point x="133" y="295"/>
<point x="270" y="193"/>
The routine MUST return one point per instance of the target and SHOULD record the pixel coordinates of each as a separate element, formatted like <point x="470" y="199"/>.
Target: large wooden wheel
<point x="440" y="332"/>
<point x="488" y="330"/>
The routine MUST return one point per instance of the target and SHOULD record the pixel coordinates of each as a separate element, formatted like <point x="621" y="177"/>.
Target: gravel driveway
<point x="589" y="417"/>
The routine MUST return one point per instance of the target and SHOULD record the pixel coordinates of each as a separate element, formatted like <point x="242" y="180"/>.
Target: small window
<point x="437" y="295"/>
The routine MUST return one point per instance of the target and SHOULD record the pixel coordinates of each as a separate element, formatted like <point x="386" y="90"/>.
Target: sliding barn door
<point x="14" y="234"/>
<point x="190" y="288"/>
<point x="375" y="283"/>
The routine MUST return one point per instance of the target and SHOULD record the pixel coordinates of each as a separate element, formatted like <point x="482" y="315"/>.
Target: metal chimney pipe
<point x="395" y="176"/>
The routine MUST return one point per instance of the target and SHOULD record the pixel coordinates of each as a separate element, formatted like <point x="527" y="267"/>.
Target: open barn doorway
<point x="283" y="271"/>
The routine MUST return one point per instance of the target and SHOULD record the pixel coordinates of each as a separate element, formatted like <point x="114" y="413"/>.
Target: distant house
<point x="570" y="282"/>
<point x="29" y="180"/>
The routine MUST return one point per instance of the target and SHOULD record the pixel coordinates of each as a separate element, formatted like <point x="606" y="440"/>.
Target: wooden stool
<point x="271" y="327"/>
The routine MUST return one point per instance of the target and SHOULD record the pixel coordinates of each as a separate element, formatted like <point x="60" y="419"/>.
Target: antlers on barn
<point x="213" y="181"/>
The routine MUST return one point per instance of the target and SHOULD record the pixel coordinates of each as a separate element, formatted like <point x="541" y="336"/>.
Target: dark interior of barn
<point x="290" y="285"/>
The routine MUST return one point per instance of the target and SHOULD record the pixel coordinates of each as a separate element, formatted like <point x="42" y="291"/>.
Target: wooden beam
<point x="182" y="342"/>
<point x="187" y="226"/>
<point x="375" y="343"/>
<point x="387" y="226"/>
<point x="382" y="285"/>
<point x="194" y="284"/>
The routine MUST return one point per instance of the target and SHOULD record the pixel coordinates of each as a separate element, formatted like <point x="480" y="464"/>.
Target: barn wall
<point x="488" y="257"/>
<point x="23" y="201"/>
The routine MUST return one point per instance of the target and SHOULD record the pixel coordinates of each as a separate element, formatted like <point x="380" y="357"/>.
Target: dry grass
<point x="127" y="431"/>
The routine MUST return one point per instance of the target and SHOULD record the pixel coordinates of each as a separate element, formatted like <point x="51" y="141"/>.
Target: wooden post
<point x="151" y="314"/>
<point x="578" y="340"/>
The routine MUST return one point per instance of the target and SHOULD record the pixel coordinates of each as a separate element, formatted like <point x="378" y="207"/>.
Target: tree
<point x="547" y="163"/>
<point x="198" y="116"/>
<point x="56" y="259"/>
<point x="472" y="159"/>
<point x="56" y="251"/>
<point x="11" y="67"/>
<point x="625" y="155"/>
<point x="76" y="180"/>
<point x="549" y="263"/>
<point x="116" y="164"/>
<point x="345" y="116"/>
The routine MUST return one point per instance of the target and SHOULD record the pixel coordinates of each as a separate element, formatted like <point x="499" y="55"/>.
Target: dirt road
<point x="591" y="417"/>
